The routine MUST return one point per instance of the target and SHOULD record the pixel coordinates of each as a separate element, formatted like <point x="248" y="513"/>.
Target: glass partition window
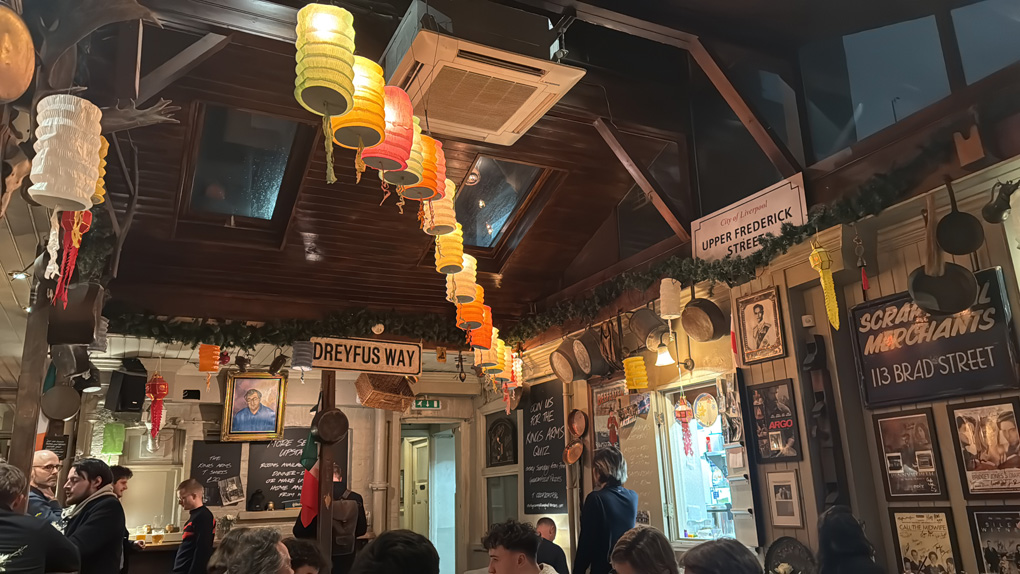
<point x="490" y="196"/>
<point x="501" y="498"/>
<point x="988" y="33"/>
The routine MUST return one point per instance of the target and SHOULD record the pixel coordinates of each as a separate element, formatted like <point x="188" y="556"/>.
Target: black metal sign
<point x="905" y="355"/>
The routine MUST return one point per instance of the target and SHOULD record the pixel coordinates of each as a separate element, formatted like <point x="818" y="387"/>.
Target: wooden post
<point x="30" y="381"/>
<point x="325" y="535"/>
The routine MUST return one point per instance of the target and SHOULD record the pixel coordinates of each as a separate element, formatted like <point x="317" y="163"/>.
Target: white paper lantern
<point x="440" y="216"/>
<point x="670" y="306"/>
<point x="460" y="287"/>
<point x="66" y="166"/>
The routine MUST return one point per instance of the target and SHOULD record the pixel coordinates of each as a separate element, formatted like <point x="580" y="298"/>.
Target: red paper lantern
<point x="392" y="154"/>
<point x="156" y="390"/>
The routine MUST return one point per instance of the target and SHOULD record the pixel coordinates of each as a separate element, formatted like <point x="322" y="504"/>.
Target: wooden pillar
<point x="30" y="381"/>
<point x="325" y="534"/>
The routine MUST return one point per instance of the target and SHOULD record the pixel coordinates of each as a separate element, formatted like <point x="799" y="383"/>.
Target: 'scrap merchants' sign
<point x="905" y="355"/>
<point x="367" y="356"/>
<point x="737" y="229"/>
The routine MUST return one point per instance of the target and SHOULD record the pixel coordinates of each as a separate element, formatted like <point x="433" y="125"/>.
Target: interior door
<point x="420" y="490"/>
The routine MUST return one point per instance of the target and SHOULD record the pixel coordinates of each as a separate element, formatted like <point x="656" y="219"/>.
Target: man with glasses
<point x="29" y="545"/>
<point x="42" y="501"/>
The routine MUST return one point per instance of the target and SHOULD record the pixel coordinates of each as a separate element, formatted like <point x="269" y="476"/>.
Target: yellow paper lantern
<point x="440" y="216"/>
<point x="450" y="251"/>
<point x="365" y="124"/>
<point x="460" y="287"/>
<point x="100" y="195"/>
<point x="498" y="356"/>
<point x="634" y="370"/>
<point x="427" y="187"/>
<point x="325" y="60"/>
<point x="412" y="174"/>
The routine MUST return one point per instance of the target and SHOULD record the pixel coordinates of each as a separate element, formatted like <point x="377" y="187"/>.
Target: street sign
<point x="426" y="405"/>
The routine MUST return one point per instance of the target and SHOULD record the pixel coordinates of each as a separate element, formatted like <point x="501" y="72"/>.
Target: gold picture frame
<point x="760" y="326"/>
<point x="261" y="391"/>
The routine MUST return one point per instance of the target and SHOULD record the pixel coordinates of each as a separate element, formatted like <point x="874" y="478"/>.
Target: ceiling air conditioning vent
<point x="499" y="63"/>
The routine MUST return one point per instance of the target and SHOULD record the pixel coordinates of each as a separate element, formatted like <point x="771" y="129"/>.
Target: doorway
<point x="428" y="483"/>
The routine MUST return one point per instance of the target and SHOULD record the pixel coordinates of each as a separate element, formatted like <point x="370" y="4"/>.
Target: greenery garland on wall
<point x="874" y="195"/>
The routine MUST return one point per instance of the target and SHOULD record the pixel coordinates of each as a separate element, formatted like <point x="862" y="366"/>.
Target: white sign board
<point x="737" y="229"/>
<point x="367" y="356"/>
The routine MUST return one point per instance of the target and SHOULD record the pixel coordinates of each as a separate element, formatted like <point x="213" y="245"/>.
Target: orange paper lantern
<point x="471" y="315"/>
<point x="208" y="361"/>
<point x="365" y="124"/>
<point x="480" y="339"/>
<point x="392" y="154"/>
<point x="440" y="215"/>
<point x="426" y="188"/>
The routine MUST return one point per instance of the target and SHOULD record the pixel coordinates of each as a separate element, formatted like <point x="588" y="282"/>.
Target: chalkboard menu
<point x="57" y="445"/>
<point x="545" y="474"/>
<point x="274" y="467"/>
<point x="212" y="462"/>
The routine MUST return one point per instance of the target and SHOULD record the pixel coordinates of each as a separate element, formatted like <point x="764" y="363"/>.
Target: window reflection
<point x="988" y="33"/>
<point x="490" y="196"/>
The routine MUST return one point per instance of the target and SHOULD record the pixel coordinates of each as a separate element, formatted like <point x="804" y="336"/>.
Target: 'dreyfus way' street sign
<point x="426" y="405"/>
<point x="367" y="356"/>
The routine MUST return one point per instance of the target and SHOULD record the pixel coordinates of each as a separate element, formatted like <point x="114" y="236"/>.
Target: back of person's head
<point x="609" y="466"/>
<point x="118" y="472"/>
<point x="546" y="525"/>
<point x="841" y="535"/>
<point x="93" y="468"/>
<point x="645" y="550"/>
<point x="397" y="552"/>
<point x="305" y="557"/>
<point x="13" y="488"/>
<point x="723" y="556"/>
<point x="247" y="551"/>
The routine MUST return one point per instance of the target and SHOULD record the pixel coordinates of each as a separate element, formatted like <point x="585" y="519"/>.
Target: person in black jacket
<point x="29" y="545"/>
<point x="548" y="551"/>
<point x="96" y="524"/>
<point x="843" y="548"/>
<point x="43" y="481"/>
<point x="121" y="476"/>
<point x="341" y="562"/>
<point x="197" y="538"/>
<point x="607" y="513"/>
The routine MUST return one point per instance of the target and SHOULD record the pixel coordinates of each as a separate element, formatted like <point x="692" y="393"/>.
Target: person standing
<point x="843" y="548"/>
<point x="96" y="523"/>
<point x="29" y="545"/>
<point x="121" y="476"/>
<point x="197" y="538"/>
<point x="548" y="551"/>
<point x="513" y="549"/>
<point x="607" y="513"/>
<point x="349" y="520"/>
<point x="42" y="497"/>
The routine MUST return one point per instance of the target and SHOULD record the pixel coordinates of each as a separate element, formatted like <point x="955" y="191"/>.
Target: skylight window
<point x="490" y="197"/>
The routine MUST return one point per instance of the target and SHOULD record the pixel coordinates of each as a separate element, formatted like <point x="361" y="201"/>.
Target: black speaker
<point x="127" y="391"/>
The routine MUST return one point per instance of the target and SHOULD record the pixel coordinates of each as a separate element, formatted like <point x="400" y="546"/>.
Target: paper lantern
<point x="325" y="60"/>
<point x="302" y="354"/>
<point x="634" y="370"/>
<point x="516" y="370"/>
<point x="412" y="174"/>
<point x="394" y="151"/>
<point x="499" y="354"/>
<point x="156" y="390"/>
<point x="460" y="286"/>
<point x="440" y="186"/>
<point x="426" y="188"/>
<point x="488" y="356"/>
<point x="670" y="306"/>
<point x="450" y="252"/>
<point x="508" y="365"/>
<point x="100" y="195"/>
<point x="65" y="169"/>
<point x="472" y="315"/>
<point x="440" y="217"/>
<point x="481" y="338"/>
<point x="208" y="361"/>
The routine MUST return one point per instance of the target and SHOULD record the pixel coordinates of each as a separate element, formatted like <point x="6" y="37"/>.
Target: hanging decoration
<point x="365" y="124"/>
<point x="324" y="84"/>
<point x="861" y="263"/>
<point x="224" y="358"/>
<point x="821" y="262"/>
<point x="66" y="167"/>
<point x="412" y="174"/>
<point x="472" y="315"/>
<point x="438" y="215"/>
<point x="100" y="195"/>
<point x="156" y="390"/>
<point x="634" y="370"/>
<point x="481" y="338"/>
<point x="486" y="358"/>
<point x="517" y="373"/>
<point x="208" y="361"/>
<point x="395" y="150"/>
<point x="303" y="352"/>
<point x="460" y="286"/>
<point x="670" y="305"/>
<point x="426" y="188"/>
<point x="74" y="224"/>
<point x="684" y="414"/>
<point x="450" y="252"/>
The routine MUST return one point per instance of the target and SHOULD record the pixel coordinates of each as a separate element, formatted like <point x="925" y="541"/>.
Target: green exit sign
<point x="426" y="404"/>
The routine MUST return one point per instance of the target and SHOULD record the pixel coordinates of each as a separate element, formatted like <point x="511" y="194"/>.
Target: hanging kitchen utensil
<point x="564" y="363"/>
<point x="706" y="409"/>
<point x="577" y="421"/>
<point x="959" y="233"/>
<point x="572" y="453"/>
<point x="703" y="320"/>
<point x="60" y="403"/>
<point x="937" y="287"/>
<point x="588" y="354"/>
<point x="330" y="426"/>
<point x="17" y="64"/>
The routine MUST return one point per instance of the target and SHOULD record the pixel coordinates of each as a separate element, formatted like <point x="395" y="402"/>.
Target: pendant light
<point x="413" y="173"/>
<point x="439" y="216"/>
<point x="365" y="124"/>
<point x="394" y="151"/>
<point x="450" y="251"/>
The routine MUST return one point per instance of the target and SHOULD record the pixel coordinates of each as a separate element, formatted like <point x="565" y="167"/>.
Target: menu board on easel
<point x="545" y="474"/>
<point x="212" y="462"/>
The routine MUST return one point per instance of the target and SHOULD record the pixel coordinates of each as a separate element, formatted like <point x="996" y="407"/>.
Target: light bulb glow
<point x="663" y="358"/>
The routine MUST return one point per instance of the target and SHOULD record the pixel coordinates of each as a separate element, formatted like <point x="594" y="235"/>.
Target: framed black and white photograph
<point x="988" y="447"/>
<point x="925" y="540"/>
<point x="775" y="422"/>
<point x="909" y="451"/>
<point x="784" y="499"/>
<point x="501" y="439"/>
<point x="760" y="327"/>
<point x="996" y="532"/>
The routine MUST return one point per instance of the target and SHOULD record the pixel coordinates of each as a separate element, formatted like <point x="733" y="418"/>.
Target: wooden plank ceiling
<point x="370" y="255"/>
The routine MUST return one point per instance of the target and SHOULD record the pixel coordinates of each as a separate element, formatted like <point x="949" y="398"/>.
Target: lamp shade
<point x="440" y="216"/>
<point x="100" y="195"/>
<point x="412" y="174"/>
<point x="450" y="252"/>
<point x="481" y="338"/>
<point x="209" y="358"/>
<point x="634" y="370"/>
<point x="472" y="315"/>
<point x="426" y="188"/>
<point x="460" y="287"/>
<point x="301" y="356"/>
<point x="65" y="169"/>
<point x="364" y="125"/>
<point x="395" y="149"/>
<point x="324" y="84"/>
<point x="670" y="306"/>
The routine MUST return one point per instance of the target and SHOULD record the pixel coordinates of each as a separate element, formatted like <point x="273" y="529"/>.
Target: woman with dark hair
<point x="723" y="556"/>
<point x="843" y="547"/>
<point x="251" y="551"/>
<point x="608" y="512"/>
<point x="644" y="550"/>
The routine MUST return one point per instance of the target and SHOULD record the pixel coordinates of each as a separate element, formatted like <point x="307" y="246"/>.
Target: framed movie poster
<point x="988" y="446"/>
<point x="996" y="531"/>
<point x="909" y="453"/>
<point x="925" y="540"/>
<point x="253" y="407"/>
<point x="760" y="326"/>
<point x="784" y="499"/>
<point x="605" y="413"/>
<point x="777" y="432"/>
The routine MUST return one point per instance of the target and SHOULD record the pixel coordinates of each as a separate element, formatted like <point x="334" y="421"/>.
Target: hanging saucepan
<point x="564" y="364"/>
<point x="577" y="421"/>
<point x="330" y="426"/>
<point x="703" y="320"/>
<point x="17" y="59"/>
<point x="60" y="403"/>
<point x="588" y="354"/>
<point x="959" y="233"/>
<point x="572" y="453"/>
<point x="937" y="287"/>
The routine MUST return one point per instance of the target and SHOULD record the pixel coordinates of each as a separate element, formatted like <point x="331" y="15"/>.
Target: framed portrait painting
<point x="909" y="452"/>
<point x="253" y="406"/>
<point x="988" y="446"/>
<point x="784" y="499"/>
<point x="775" y="422"/>
<point x="760" y="326"/>
<point x="996" y="531"/>
<point x="925" y="540"/>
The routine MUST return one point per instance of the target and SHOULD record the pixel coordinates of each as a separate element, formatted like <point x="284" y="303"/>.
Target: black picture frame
<point x="1005" y="528"/>
<point x="929" y="482"/>
<point x="501" y="440"/>
<point x="921" y="517"/>
<point x="774" y="421"/>
<point x="971" y="465"/>
<point x="765" y="347"/>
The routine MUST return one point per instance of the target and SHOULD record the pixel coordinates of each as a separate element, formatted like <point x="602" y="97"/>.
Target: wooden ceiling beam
<point x="615" y="21"/>
<point x="180" y="65"/>
<point x="256" y="17"/>
<point x="645" y="180"/>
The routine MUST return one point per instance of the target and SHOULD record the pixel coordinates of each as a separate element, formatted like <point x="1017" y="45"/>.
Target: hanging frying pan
<point x="564" y="364"/>
<point x="573" y="452"/>
<point x="937" y="287"/>
<point x="703" y="320"/>
<point x="330" y="426"/>
<point x="588" y="353"/>
<point x="60" y="403"/>
<point x="958" y="232"/>
<point x="17" y="58"/>
<point x="577" y="421"/>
